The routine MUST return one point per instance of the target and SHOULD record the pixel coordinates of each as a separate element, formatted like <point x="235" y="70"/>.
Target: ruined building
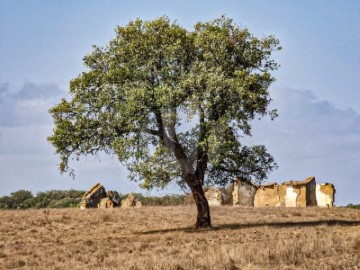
<point x="97" y="197"/>
<point x="243" y="193"/>
<point x="325" y="195"/>
<point x="112" y="200"/>
<point x="92" y="198"/>
<point x="214" y="196"/>
<point x="130" y="201"/>
<point x="289" y="194"/>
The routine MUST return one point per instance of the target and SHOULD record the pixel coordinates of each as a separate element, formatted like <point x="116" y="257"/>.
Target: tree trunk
<point x="203" y="217"/>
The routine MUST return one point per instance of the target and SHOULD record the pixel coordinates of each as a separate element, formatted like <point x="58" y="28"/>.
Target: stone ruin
<point x="92" y="198"/>
<point x="97" y="197"/>
<point x="289" y="194"/>
<point x="130" y="201"/>
<point x="112" y="200"/>
<point x="325" y="195"/>
<point x="214" y="196"/>
<point x="106" y="203"/>
<point x="243" y="193"/>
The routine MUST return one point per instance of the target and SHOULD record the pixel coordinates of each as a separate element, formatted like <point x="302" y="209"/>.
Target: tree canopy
<point x="172" y="104"/>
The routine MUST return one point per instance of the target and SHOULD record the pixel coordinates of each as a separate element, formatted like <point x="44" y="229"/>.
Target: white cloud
<point x="28" y="161"/>
<point x="310" y="137"/>
<point x="29" y="105"/>
<point x="313" y="137"/>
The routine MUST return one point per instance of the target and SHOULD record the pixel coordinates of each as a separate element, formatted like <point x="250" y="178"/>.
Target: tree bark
<point x="203" y="211"/>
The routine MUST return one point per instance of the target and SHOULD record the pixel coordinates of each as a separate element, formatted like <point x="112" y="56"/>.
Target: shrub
<point x="356" y="206"/>
<point x="167" y="200"/>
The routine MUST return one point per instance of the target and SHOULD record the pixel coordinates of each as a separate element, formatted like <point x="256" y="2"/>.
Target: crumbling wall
<point x="92" y="198"/>
<point x="311" y="193"/>
<point x="106" y="203"/>
<point x="214" y="196"/>
<point x="267" y="195"/>
<point x="243" y="193"/>
<point x="228" y="194"/>
<point x="288" y="194"/>
<point x="291" y="196"/>
<point x="130" y="201"/>
<point x="114" y="197"/>
<point x="300" y="193"/>
<point x="325" y="195"/>
<point x="97" y="197"/>
<point x="282" y="189"/>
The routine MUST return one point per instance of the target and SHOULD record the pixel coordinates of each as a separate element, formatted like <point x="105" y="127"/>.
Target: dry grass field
<point x="163" y="238"/>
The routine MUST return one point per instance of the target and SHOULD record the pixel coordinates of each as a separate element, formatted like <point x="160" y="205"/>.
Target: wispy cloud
<point x="29" y="105"/>
<point x="310" y="137"/>
<point x="313" y="137"/>
<point x="29" y="162"/>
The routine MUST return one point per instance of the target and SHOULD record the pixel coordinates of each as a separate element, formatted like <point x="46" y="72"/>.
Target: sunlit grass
<point x="164" y="238"/>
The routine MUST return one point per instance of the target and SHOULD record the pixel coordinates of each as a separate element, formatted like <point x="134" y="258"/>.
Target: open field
<point x="163" y="238"/>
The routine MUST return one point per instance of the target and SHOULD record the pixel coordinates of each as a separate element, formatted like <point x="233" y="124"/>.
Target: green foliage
<point x="64" y="203"/>
<point x="172" y="104"/>
<point x="138" y="196"/>
<point x="72" y="198"/>
<point x="16" y="200"/>
<point x="355" y="206"/>
<point x="7" y="202"/>
<point x="24" y="199"/>
<point x="167" y="200"/>
<point x="19" y="197"/>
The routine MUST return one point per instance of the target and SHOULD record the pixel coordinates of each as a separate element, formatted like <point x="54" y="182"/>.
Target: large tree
<point x="172" y="104"/>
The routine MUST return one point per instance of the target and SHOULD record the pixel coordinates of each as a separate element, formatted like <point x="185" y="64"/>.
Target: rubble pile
<point x="130" y="201"/>
<point x="97" y="197"/>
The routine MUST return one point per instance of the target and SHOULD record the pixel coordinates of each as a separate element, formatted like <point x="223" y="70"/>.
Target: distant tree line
<point x="24" y="199"/>
<point x="356" y="206"/>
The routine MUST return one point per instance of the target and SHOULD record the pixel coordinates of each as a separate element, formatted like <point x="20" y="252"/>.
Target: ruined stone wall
<point x="288" y="194"/>
<point x="267" y="196"/>
<point x="311" y="194"/>
<point x="300" y="193"/>
<point x="93" y="197"/>
<point x="292" y="195"/>
<point x="325" y="195"/>
<point x="243" y="194"/>
<point x="214" y="196"/>
<point x="130" y="201"/>
<point x="106" y="203"/>
<point x="282" y="194"/>
<point x="236" y="193"/>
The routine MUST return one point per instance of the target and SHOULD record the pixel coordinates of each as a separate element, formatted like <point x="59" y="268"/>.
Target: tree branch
<point x="221" y="168"/>
<point x="202" y="157"/>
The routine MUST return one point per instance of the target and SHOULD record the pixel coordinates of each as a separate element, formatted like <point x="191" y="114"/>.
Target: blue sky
<point x="317" y="91"/>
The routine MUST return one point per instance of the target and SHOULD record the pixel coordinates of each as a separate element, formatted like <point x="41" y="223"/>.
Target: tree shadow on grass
<point x="237" y="226"/>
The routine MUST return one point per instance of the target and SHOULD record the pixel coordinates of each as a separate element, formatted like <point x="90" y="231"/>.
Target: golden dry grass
<point x="163" y="238"/>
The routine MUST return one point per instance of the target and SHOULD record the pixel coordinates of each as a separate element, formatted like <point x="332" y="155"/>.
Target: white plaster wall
<point x="214" y="202"/>
<point x="214" y="197"/>
<point x="323" y="200"/>
<point x="290" y="197"/>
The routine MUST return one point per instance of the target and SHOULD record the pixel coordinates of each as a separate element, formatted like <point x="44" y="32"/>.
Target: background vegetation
<point x="24" y="199"/>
